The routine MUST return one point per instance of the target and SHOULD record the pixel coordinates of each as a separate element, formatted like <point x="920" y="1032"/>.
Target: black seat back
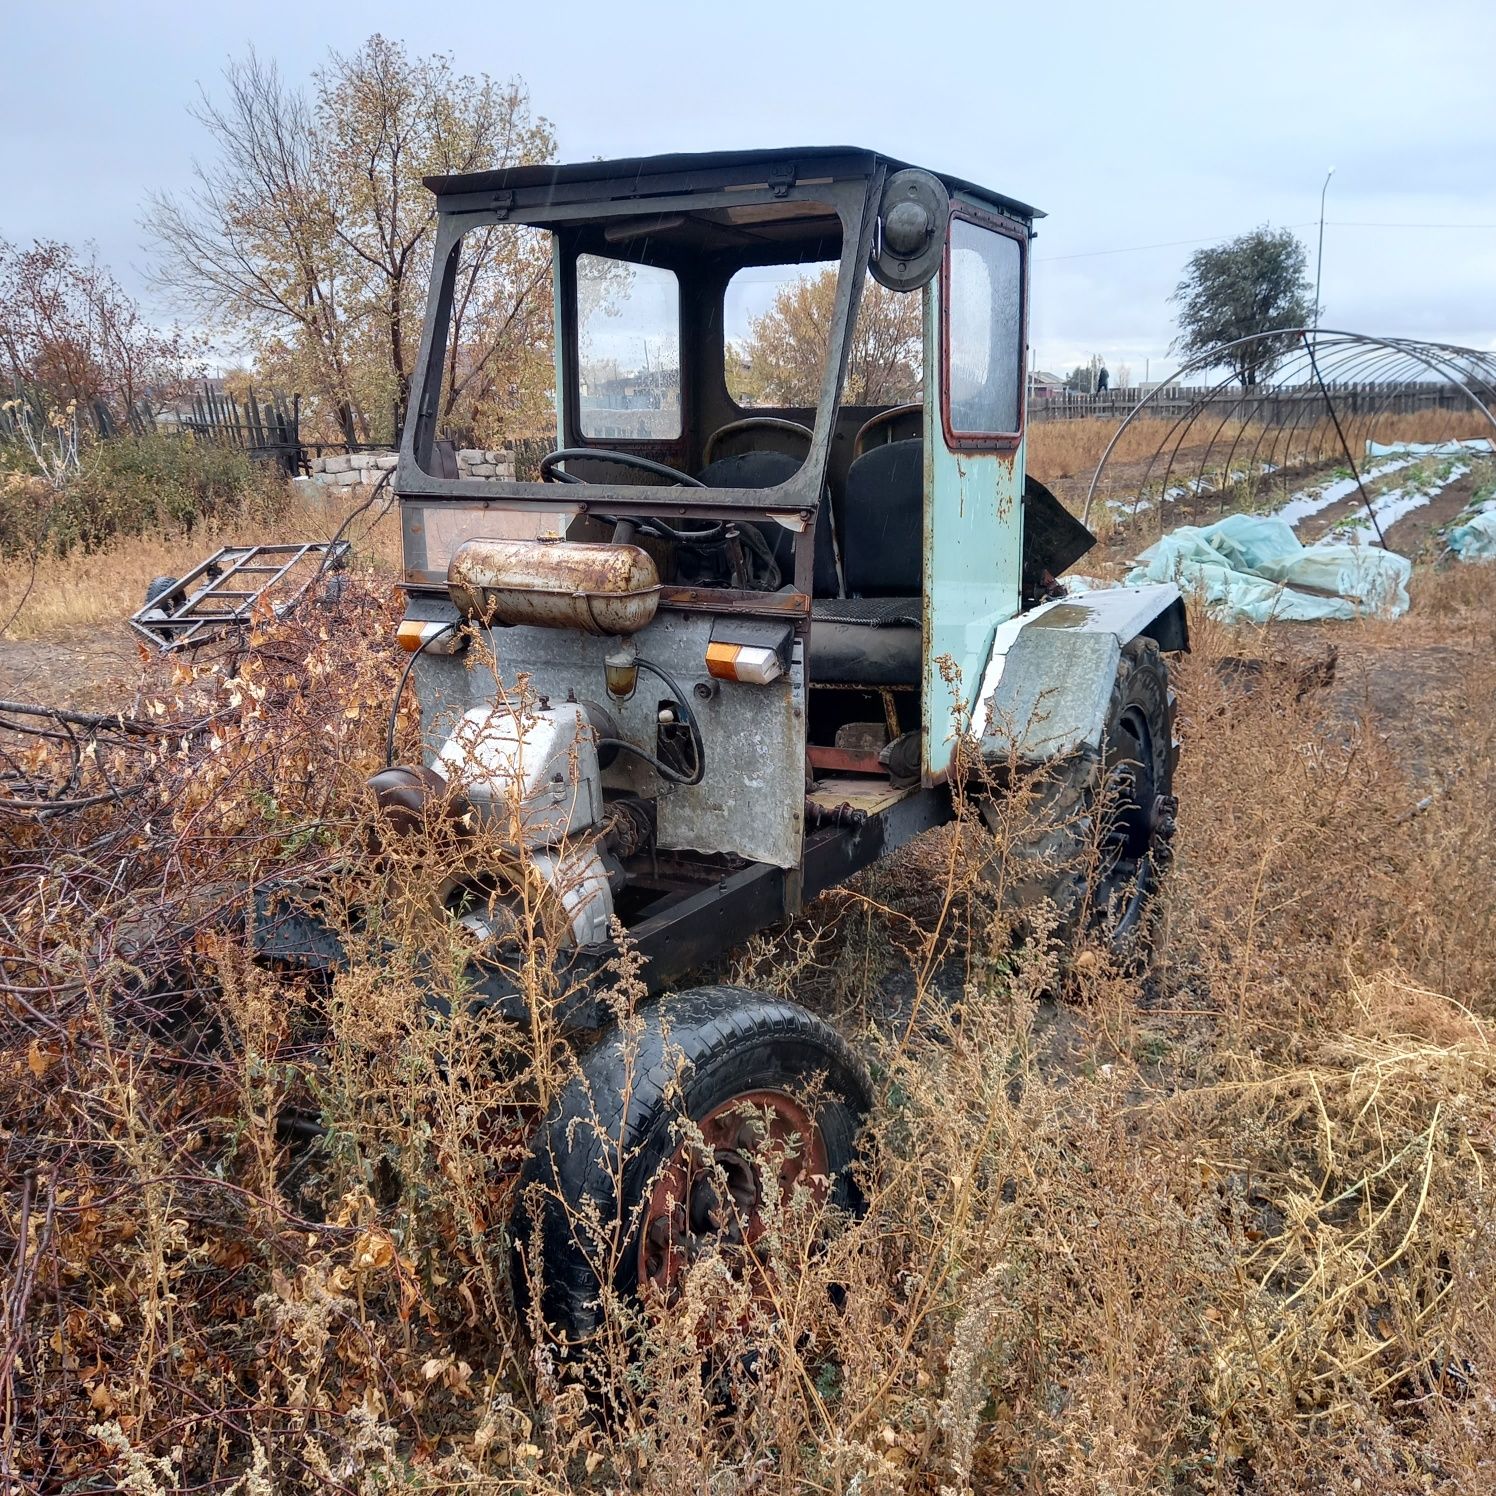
<point x="883" y="523"/>
<point x="769" y="470"/>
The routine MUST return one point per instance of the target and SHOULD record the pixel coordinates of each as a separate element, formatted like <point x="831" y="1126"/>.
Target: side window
<point x="628" y="343"/>
<point x="984" y="349"/>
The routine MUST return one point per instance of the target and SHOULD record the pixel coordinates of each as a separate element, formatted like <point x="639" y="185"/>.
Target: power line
<point x="1133" y="249"/>
<point x="1333" y="223"/>
<point x="1330" y="223"/>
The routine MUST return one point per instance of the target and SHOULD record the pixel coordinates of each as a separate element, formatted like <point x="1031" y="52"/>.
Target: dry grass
<point x="61" y="597"/>
<point x="1222" y="1226"/>
<point x="1071" y="449"/>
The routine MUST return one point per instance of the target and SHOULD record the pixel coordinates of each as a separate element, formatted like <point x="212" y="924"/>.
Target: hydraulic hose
<point x="410" y="664"/>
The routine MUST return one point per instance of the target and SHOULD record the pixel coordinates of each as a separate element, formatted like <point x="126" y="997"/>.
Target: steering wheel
<point x="552" y="472"/>
<point x="883" y="418"/>
<point x="753" y="423"/>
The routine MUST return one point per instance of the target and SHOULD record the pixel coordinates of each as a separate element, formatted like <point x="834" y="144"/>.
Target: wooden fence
<point x="267" y="427"/>
<point x="1269" y="405"/>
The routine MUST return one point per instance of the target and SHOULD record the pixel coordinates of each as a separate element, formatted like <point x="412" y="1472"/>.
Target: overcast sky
<point x="1143" y="130"/>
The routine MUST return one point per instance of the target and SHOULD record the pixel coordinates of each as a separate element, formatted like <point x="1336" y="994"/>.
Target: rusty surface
<point x="817" y="814"/>
<point x="688" y="1213"/>
<point x="845" y="760"/>
<point x="213" y="596"/>
<point x="728" y="600"/>
<point x="750" y="801"/>
<point x="871" y="796"/>
<point x="597" y="587"/>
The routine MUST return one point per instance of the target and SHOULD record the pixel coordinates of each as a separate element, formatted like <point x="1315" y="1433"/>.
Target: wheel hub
<point x="710" y="1195"/>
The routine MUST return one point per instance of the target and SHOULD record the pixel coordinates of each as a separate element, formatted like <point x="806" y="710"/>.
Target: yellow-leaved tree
<point x="308" y="236"/>
<point x="781" y="361"/>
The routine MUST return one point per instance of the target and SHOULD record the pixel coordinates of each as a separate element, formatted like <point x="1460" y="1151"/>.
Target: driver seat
<point x="874" y="637"/>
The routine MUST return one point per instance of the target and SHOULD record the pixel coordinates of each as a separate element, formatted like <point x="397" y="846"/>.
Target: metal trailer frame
<point x="196" y="618"/>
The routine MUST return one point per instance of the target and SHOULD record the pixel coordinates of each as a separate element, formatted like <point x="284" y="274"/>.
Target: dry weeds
<point x="1224" y="1226"/>
<point x="59" y="597"/>
<point x="1071" y="449"/>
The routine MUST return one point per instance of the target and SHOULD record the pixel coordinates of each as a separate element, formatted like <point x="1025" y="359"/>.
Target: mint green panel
<point x="973" y="559"/>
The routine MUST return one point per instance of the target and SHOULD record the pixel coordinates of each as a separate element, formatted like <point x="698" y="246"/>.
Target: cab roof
<point x="644" y="176"/>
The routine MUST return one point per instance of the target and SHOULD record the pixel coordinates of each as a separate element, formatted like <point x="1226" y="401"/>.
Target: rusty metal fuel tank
<point x="597" y="587"/>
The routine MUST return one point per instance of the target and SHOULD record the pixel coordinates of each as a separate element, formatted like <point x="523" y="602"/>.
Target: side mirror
<point x="911" y="230"/>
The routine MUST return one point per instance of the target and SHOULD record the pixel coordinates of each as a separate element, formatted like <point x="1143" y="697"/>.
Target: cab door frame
<point x="973" y="512"/>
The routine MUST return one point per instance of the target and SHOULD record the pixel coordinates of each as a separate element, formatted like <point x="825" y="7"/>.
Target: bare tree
<point x="309" y="230"/>
<point x="69" y="334"/>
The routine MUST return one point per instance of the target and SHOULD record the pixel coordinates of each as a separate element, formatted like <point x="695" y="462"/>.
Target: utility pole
<point x="1319" y="263"/>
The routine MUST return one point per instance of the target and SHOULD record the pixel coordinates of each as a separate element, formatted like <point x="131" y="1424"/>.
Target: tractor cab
<point x="796" y="378"/>
<point x="767" y="563"/>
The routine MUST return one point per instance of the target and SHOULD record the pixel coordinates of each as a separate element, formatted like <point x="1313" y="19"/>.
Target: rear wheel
<point x="1105" y="826"/>
<point x="672" y="1141"/>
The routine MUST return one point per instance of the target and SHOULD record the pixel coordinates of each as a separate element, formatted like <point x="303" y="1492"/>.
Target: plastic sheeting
<point x="1253" y="568"/>
<point x="1475" y="539"/>
<point x="1476" y="444"/>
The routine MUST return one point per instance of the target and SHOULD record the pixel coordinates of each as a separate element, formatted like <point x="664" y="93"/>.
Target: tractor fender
<point x="1048" y="681"/>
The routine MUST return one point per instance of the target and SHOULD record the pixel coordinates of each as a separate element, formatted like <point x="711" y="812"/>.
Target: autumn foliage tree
<point x="70" y="335"/>
<point x="783" y="357"/>
<point x="308" y="234"/>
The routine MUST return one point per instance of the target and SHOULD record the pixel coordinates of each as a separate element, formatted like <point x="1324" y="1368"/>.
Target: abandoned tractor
<point x="716" y="650"/>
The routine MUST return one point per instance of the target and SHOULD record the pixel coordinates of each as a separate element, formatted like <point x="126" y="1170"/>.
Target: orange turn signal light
<point x="749" y="663"/>
<point x="438" y="638"/>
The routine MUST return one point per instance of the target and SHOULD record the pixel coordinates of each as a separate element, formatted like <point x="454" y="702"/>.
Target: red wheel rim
<point x="686" y="1216"/>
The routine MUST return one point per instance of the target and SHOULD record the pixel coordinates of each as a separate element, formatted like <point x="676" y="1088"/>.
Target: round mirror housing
<point x="911" y="219"/>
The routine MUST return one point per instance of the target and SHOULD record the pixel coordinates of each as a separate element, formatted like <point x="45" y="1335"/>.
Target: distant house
<point x="1044" y="386"/>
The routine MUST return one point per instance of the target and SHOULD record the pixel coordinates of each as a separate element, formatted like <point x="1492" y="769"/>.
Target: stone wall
<point x="364" y="469"/>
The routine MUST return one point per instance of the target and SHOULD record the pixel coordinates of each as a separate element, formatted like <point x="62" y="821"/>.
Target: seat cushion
<point x="883" y="522"/>
<point x="865" y="641"/>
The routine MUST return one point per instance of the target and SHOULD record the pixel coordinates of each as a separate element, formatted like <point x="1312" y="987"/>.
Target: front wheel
<point x="656" y="1154"/>
<point x="1105" y="825"/>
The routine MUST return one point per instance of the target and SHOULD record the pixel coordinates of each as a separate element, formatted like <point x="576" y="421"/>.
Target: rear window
<point x="778" y="321"/>
<point x="628" y="344"/>
<point x="984" y="332"/>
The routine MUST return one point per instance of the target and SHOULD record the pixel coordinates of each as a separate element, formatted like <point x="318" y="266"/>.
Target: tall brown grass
<point x="1072" y="449"/>
<point x="1221" y="1225"/>
<point x="54" y="597"/>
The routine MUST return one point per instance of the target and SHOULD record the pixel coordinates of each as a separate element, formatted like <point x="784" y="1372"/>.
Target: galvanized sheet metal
<point x="1047" y="687"/>
<point x="751" y="800"/>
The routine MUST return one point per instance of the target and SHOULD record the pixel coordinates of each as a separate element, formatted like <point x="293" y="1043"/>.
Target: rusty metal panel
<point x="751" y="800"/>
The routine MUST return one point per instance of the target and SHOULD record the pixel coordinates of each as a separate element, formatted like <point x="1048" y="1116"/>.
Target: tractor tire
<point x="1100" y="880"/>
<point x="160" y="590"/>
<point x="609" y="1164"/>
